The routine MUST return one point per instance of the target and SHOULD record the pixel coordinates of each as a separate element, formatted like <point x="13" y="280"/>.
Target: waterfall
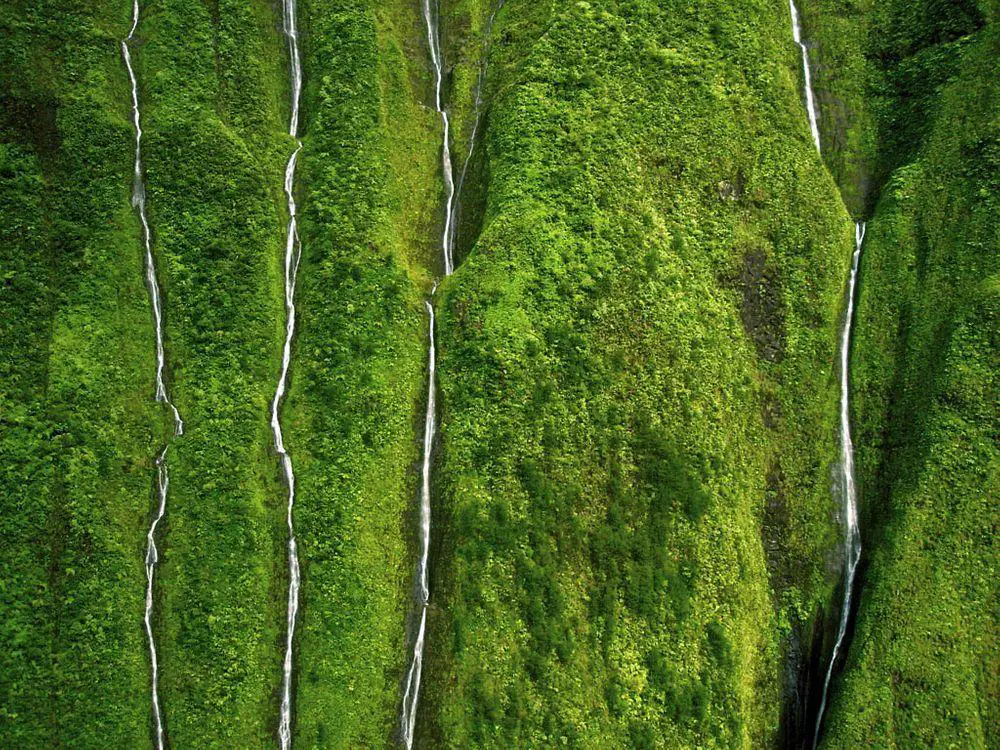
<point x="293" y="254"/>
<point x="852" y="538"/>
<point x="412" y="690"/>
<point x="810" y="99"/>
<point x="161" y="396"/>
<point x="437" y="62"/>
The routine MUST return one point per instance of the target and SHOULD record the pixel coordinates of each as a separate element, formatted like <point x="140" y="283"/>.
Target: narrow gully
<point x="852" y="539"/>
<point x="848" y="488"/>
<point x="412" y="690"/>
<point x="476" y="119"/>
<point x="431" y="14"/>
<point x="293" y="254"/>
<point x="432" y="24"/>
<point x="161" y="395"/>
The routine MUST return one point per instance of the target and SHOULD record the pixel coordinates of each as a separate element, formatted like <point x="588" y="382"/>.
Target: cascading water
<point x="437" y="61"/>
<point x="162" y="473"/>
<point x="293" y="253"/>
<point x="807" y="75"/>
<point x="412" y="690"/>
<point x="852" y="539"/>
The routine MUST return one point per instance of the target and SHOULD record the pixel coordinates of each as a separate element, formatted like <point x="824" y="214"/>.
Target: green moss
<point x="368" y="227"/>
<point x="604" y="448"/>
<point x="214" y="151"/>
<point x="78" y="425"/>
<point x="923" y="664"/>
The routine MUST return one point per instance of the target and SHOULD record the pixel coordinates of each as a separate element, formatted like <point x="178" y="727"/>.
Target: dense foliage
<point x="369" y="224"/>
<point x="211" y="94"/>
<point x="923" y="666"/>
<point x="635" y="542"/>
<point x="78" y="430"/>
<point x="635" y="354"/>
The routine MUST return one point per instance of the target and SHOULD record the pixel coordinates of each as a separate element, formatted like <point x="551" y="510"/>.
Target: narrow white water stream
<point x="807" y="75"/>
<point x="437" y="61"/>
<point x="412" y="690"/>
<point x="852" y="538"/>
<point x="162" y="473"/>
<point x="293" y="253"/>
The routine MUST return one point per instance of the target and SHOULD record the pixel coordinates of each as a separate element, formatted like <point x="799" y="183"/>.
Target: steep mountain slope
<point x="211" y="83"/>
<point x="370" y="202"/>
<point x="636" y="535"/>
<point x="636" y="353"/>
<point x="78" y="428"/>
<point x="923" y="666"/>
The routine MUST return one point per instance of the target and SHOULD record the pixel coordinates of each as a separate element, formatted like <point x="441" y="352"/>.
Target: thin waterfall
<point x="431" y="18"/>
<point x="412" y="690"/>
<point x="477" y="118"/>
<point x="162" y="472"/>
<point x="852" y="539"/>
<point x="807" y="75"/>
<point x="293" y="254"/>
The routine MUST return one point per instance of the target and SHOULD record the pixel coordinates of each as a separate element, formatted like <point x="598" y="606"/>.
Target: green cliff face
<point x="78" y="429"/>
<point x="354" y="416"/>
<point x="638" y="392"/>
<point x="635" y="539"/>
<point x="922" y="669"/>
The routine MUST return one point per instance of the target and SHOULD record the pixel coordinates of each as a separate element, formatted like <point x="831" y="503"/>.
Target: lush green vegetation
<point x="368" y="231"/>
<point x="212" y="85"/>
<point x="78" y="429"/>
<point x="836" y="33"/>
<point x="922" y="670"/>
<point x="637" y="351"/>
<point x="635" y="543"/>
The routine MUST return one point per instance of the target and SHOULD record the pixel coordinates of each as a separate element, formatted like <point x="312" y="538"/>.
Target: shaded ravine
<point x="476" y="119"/>
<point x="162" y="472"/>
<point x="847" y="487"/>
<point x="411" y="691"/>
<point x="806" y="74"/>
<point x="432" y="25"/>
<point x="852" y="538"/>
<point x="293" y="253"/>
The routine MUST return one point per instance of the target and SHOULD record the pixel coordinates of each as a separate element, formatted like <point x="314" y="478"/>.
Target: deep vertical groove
<point x="412" y="691"/>
<point x="848" y="489"/>
<point x="431" y="22"/>
<point x="293" y="253"/>
<point x="852" y="537"/>
<point x="161" y="395"/>
<point x="476" y="119"/>
<point x="807" y="75"/>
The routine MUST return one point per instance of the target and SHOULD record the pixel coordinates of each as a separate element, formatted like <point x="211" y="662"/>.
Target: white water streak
<point x="412" y="690"/>
<point x="810" y="98"/>
<point x="852" y="537"/>
<point x="293" y="254"/>
<point x="437" y="61"/>
<point x="162" y="473"/>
